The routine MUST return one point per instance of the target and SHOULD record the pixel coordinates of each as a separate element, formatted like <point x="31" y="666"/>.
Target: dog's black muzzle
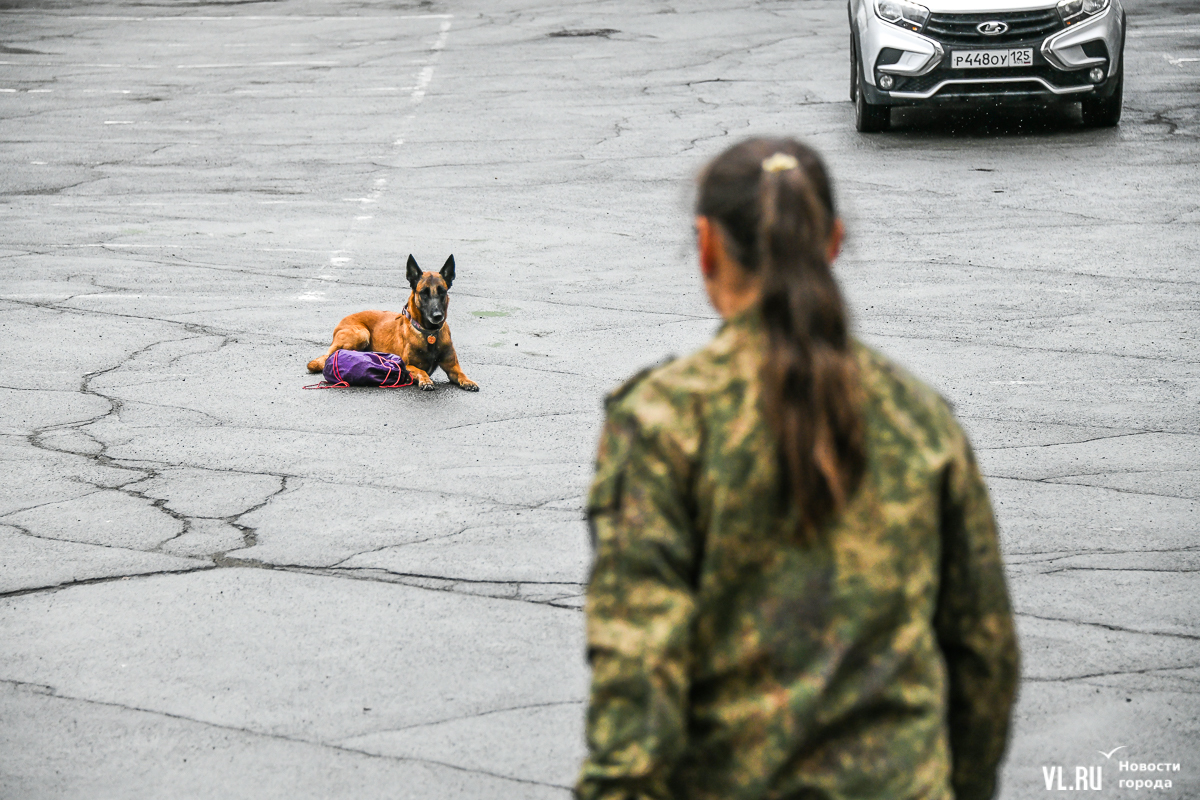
<point x="433" y="312"/>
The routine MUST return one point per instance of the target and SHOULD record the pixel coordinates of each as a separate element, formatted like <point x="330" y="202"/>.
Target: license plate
<point x="978" y="59"/>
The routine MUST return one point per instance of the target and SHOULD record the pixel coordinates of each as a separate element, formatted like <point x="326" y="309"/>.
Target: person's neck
<point x="732" y="303"/>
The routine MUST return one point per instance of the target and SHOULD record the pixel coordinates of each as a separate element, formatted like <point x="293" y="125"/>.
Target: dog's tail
<point x="317" y="364"/>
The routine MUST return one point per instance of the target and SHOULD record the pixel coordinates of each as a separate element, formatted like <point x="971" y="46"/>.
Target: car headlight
<point x="1078" y="10"/>
<point x="906" y="14"/>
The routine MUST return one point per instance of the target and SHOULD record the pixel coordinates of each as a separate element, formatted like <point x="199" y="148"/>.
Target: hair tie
<point x="780" y="162"/>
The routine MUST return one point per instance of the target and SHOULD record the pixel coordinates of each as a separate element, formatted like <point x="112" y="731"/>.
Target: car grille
<point x="1023" y="26"/>
<point x="923" y="83"/>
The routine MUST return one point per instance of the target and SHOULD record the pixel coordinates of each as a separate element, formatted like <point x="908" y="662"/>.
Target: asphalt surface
<point x="217" y="584"/>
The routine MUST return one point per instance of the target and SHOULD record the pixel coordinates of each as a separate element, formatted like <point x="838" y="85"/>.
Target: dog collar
<point x="430" y="334"/>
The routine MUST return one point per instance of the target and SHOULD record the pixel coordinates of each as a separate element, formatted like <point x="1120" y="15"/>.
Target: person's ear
<point x="837" y="235"/>
<point x="708" y="245"/>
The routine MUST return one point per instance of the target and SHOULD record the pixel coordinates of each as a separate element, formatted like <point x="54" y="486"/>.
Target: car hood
<point x="984" y="6"/>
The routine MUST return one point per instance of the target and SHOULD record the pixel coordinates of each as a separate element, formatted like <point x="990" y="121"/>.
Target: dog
<point x="419" y="334"/>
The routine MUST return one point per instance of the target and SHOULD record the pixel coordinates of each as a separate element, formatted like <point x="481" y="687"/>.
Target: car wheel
<point x="1105" y="112"/>
<point x="853" y="69"/>
<point x="868" y="117"/>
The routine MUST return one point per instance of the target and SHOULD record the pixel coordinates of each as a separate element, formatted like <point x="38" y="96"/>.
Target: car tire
<point x="1105" y="112"/>
<point x="868" y="117"/>
<point x="853" y="69"/>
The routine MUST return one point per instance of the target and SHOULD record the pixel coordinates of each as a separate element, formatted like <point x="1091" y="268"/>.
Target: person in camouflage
<point x="741" y="645"/>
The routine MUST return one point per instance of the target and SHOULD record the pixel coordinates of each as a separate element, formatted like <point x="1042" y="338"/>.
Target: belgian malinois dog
<point x="418" y="334"/>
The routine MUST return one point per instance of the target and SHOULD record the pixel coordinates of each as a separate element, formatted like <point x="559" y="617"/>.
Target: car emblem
<point x="994" y="28"/>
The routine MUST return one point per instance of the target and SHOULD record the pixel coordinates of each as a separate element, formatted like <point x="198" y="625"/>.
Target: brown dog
<point x="419" y="334"/>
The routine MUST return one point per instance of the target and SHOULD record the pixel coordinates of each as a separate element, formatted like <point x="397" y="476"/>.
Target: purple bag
<point x="347" y="368"/>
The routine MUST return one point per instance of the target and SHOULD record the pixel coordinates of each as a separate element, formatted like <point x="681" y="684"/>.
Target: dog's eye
<point x="425" y="293"/>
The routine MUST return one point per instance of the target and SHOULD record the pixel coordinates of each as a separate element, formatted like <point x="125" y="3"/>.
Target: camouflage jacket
<point x="731" y="661"/>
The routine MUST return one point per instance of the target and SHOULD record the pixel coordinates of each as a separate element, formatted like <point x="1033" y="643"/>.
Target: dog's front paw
<point x="426" y="385"/>
<point x="469" y="385"/>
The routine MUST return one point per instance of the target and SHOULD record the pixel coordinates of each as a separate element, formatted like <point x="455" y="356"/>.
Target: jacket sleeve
<point x="975" y="630"/>
<point x="640" y="606"/>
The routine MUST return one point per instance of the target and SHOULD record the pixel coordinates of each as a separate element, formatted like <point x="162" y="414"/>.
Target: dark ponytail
<point x="773" y="203"/>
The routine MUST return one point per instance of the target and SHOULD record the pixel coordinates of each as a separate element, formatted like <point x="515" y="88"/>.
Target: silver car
<point x="985" y="52"/>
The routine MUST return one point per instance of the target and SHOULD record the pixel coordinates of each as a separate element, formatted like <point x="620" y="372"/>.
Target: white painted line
<point x="87" y="202"/>
<point x="1175" y="62"/>
<point x="173" y="66"/>
<point x="1162" y="31"/>
<point x="40" y="91"/>
<point x="417" y="94"/>
<point x="38" y="163"/>
<point x="441" y="40"/>
<point x="1105" y="382"/>
<point x="8" y="91"/>
<point x="118" y="122"/>
<point x="61" y="64"/>
<point x="423" y="80"/>
<point x="227" y="19"/>
<point x="260" y="64"/>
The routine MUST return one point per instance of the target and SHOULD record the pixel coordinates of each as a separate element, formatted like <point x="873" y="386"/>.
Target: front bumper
<point x="919" y="63"/>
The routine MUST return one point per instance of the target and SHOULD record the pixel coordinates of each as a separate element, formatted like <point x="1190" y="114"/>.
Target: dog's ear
<point x="413" y="272"/>
<point x="448" y="271"/>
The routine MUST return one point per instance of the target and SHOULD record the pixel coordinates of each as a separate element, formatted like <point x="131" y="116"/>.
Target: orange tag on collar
<point x="431" y="338"/>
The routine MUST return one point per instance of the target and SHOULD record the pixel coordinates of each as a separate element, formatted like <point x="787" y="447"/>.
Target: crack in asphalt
<point x="1058" y="555"/>
<point x="200" y="567"/>
<point x="477" y="715"/>
<point x="145" y="470"/>
<point x="1124" y="429"/>
<point x="1059" y="482"/>
<point x="190" y="327"/>
<point x="50" y="691"/>
<point x="1112" y="674"/>
<point x="524" y="591"/>
<point x="49" y="503"/>
<point x="154" y="469"/>
<point x="979" y="342"/>
<point x="1073" y="441"/>
<point x="628" y="69"/>
<point x="517" y="419"/>
<point x="1108" y="627"/>
<point x="1123" y="280"/>
<point x="1117" y="569"/>
<point x="381" y="548"/>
